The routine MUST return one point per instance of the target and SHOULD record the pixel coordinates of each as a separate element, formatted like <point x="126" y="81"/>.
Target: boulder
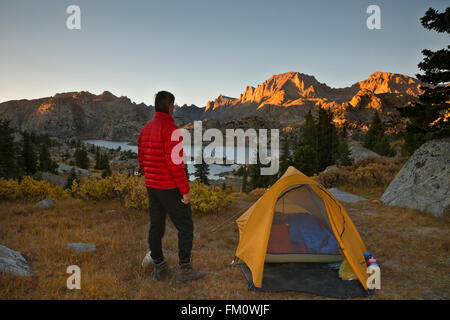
<point x="80" y="247"/>
<point x="423" y="183"/>
<point x="64" y="168"/>
<point x="54" y="179"/>
<point x="46" y="203"/>
<point x="12" y="262"/>
<point x="345" y="196"/>
<point x="358" y="152"/>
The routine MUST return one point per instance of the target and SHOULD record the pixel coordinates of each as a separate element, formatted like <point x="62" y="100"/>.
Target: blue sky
<point x="200" y="49"/>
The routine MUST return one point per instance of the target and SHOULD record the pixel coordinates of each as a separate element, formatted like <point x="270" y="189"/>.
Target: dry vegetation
<point x="411" y="247"/>
<point x="369" y="177"/>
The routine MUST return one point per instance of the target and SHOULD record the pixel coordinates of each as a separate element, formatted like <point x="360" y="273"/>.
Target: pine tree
<point x="97" y="159"/>
<point x="286" y="158"/>
<point x="382" y="147"/>
<point x="376" y="139"/>
<point x="257" y="180"/>
<point x="81" y="157"/>
<point x="343" y="154"/>
<point x="45" y="161"/>
<point x="309" y="135"/>
<point x="29" y="155"/>
<point x="8" y="151"/>
<point x="328" y="139"/>
<point x="305" y="159"/>
<point x="429" y="118"/>
<point x="202" y="172"/>
<point x="375" y="131"/>
<point x="70" y="179"/>
<point x="104" y="164"/>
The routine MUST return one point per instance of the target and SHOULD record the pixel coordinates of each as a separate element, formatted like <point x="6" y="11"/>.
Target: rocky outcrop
<point x="423" y="183"/>
<point x="345" y="196"/>
<point x="46" y="203"/>
<point x="64" y="168"/>
<point x="81" y="247"/>
<point x="12" y="262"/>
<point x="287" y="97"/>
<point x="359" y="152"/>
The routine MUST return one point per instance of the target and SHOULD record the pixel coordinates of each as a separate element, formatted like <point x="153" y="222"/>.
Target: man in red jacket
<point x="167" y="187"/>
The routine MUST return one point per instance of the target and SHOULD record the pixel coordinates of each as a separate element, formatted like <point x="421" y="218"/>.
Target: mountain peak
<point x="381" y="82"/>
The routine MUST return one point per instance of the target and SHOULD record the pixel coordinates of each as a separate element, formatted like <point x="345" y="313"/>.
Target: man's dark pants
<point x="162" y="201"/>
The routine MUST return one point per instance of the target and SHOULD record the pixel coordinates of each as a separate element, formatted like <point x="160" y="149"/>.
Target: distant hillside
<point x="86" y="115"/>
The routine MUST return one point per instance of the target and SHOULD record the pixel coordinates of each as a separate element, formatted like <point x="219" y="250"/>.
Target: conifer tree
<point x="328" y="139"/>
<point x="28" y="155"/>
<point x="376" y="139"/>
<point x="45" y="161"/>
<point x="430" y="117"/>
<point x="202" y="172"/>
<point x="285" y="158"/>
<point x="305" y="157"/>
<point x="375" y="131"/>
<point x="81" y="157"/>
<point x="70" y="179"/>
<point x="256" y="179"/>
<point x="8" y="151"/>
<point x="343" y="154"/>
<point x="97" y="159"/>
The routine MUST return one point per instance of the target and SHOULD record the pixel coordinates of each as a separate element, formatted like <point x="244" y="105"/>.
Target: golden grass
<point x="411" y="247"/>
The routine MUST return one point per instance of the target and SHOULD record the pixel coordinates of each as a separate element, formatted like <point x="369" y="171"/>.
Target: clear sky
<point x="200" y="49"/>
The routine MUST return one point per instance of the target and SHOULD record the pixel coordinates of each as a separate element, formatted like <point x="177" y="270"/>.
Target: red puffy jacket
<point x="155" y="155"/>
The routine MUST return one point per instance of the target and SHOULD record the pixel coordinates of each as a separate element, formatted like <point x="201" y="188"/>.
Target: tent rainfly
<point x="294" y="231"/>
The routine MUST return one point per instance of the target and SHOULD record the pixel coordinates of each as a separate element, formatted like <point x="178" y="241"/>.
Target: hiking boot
<point x="186" y="273"/>
<point x="161" y="270"/>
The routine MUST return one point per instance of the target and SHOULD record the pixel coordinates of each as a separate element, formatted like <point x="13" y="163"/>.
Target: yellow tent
<point x="295" y="193"/>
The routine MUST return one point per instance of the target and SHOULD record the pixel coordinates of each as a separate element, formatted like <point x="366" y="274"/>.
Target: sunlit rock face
<point x="287" y="97"/>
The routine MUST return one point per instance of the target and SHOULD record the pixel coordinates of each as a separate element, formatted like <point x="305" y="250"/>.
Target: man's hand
<point x="186" y="198"/>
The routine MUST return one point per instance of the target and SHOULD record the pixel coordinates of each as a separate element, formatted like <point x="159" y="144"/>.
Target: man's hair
<point x="163" y="100"/>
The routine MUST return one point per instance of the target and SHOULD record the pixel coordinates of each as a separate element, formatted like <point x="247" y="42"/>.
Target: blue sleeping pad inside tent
<point x="304" y="228"/>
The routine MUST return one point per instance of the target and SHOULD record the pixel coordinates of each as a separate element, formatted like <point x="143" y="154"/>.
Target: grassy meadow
<point x="411" y="247"/>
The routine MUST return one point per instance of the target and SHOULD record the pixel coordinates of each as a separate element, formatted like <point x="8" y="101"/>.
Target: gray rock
<point x="80" y="247"/>
<point x="332" y="167"/>
<point x="54" y="179"/>
<point x="46" y="203"/>
<point x="64" y="168"/>
<point x="13" y="262"/>
<point x="359" y="152"/>
<point x="345" y="196"/>
<point x="423" y="183"/>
